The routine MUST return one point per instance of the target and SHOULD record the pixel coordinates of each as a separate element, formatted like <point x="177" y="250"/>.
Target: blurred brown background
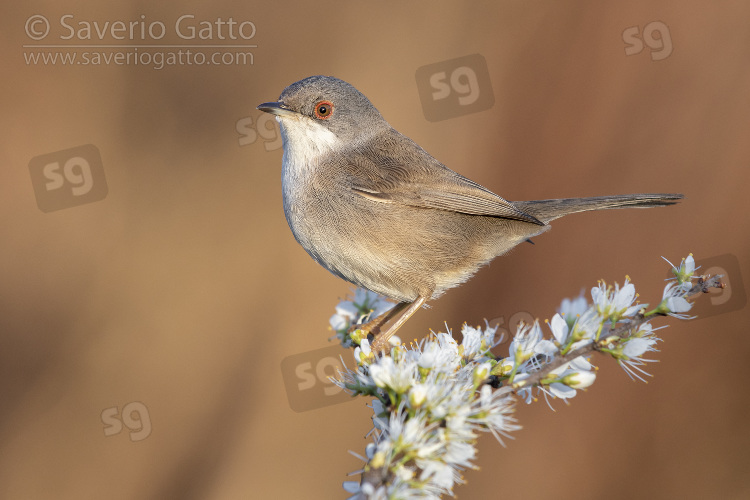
<point x="184" y="289"/>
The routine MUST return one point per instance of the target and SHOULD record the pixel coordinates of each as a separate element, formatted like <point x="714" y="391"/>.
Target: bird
<point x="377" y="210"/>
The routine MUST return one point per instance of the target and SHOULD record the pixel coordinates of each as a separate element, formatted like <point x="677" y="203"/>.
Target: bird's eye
<point x="323" y="110"/>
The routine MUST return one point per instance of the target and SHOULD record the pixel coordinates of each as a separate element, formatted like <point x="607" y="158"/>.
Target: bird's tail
<point x="549" y="210"/>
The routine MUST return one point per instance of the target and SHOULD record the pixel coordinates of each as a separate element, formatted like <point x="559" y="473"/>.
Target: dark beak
<point x="276" y="108"/>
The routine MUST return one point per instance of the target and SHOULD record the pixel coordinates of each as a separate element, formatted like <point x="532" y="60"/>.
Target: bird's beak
<point x="276" y="108"/>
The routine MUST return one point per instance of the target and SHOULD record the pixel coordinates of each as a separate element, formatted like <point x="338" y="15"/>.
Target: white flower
<point x="524" y="342"/>
<point x="641" y="342"/>
<point x="630" y="353"/>
<point x="439" y="473"/>
<point x="637" y="347"/>
<point x="673" y="300"/>
<point x="415" y="435"/>
<point x="348" y="312"/>
<point x="493" y="410"/>
<point x="617" y="303"/>
<point x="587" y="326"/>
<point x="476" y="342"/>
<point x="388" y="374"/>
<point x="439" y="352"/>
<point x="429" y="357"/>
<point x="685" y="272"/>
<point x="472" y="341"/>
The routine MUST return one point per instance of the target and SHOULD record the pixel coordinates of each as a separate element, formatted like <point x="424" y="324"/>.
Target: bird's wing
<point x="427" y="183"/>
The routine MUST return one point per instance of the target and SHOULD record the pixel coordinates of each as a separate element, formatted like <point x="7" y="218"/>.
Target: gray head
<point x="324" y="109"/>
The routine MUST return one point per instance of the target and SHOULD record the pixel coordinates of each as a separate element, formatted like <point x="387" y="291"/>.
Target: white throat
<point x="305" y="144"/>
<point x="305" y="141"/>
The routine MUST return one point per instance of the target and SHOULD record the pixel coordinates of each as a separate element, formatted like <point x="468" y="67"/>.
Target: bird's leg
<point x="380" y="344"/>
<point x="373" y="326"/>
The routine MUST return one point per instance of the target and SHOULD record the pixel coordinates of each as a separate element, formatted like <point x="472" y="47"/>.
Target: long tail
<point x="549" y="210"/>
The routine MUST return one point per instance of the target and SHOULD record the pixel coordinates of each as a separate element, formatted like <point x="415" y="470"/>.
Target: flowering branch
<point x="433" y="397"/>
<point x="702" y="285"/>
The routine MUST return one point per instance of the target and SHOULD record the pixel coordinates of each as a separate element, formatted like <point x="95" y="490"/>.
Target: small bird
<point x="374" y="208"/>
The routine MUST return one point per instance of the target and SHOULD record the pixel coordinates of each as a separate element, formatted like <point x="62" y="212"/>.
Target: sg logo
<point x="661" y="45"/>
<point x="454" y="88"/>
<point x="719" y="301"/>
<point x="307" y="379"/>
<point x="265" y="126"/>
<point x="463" y="81"/>
<point x="140" y="425"/>
<point x="68" y="178"/>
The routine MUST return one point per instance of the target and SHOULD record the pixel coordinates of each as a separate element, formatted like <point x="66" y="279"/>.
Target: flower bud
<point x="579" y="380"/>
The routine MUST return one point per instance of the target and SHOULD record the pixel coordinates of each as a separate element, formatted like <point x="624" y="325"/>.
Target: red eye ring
<point x="323" y="110"/>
